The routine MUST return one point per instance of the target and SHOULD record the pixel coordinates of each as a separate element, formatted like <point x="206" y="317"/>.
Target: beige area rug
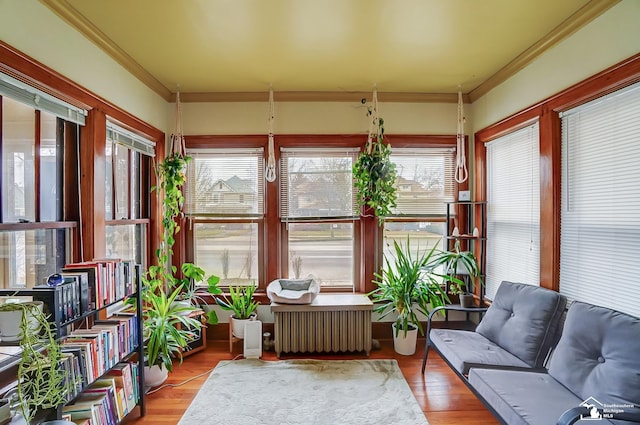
<point x="305" y="392"/>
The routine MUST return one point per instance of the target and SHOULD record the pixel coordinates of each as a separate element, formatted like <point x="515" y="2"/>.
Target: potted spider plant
<point x="408" y="284"/>
<point x="242" y="305"/>
<point x="40" y="379"/>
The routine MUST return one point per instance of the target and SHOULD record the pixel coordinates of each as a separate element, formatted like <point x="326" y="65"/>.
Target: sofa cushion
<point x="524" y="320"/>
<point x="465" y="349"/>
<point x="598" y="355"/>
<point x="526" y="398"/>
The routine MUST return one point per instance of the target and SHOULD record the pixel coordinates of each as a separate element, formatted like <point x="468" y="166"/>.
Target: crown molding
<point x="68" y="13"/>
<point x="318" y="96"/>
<point x="573" y="23"/>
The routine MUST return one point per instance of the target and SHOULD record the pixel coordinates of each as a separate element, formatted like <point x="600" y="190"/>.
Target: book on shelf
<point x="123" y="378"/>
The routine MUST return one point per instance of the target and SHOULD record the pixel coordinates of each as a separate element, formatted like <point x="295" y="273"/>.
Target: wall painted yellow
<point x="610" y="38"/>
<point x="33" y="29"/>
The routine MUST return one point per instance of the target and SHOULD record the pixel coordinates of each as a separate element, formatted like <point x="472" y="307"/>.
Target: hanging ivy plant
<point x="375" y="175"/>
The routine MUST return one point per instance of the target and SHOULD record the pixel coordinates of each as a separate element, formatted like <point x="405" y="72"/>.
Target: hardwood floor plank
<point x="443" y="397"/>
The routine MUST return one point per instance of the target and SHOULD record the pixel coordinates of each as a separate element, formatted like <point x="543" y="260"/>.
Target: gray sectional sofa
<point x="593" y="372"/>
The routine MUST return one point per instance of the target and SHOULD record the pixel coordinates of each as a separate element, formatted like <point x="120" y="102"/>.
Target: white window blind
<point x="37" y="99"/>
<point x="600" y="227"/>
<point x="126" y="138"/>
<point x="225" y="183"/>
<point x="316" y="184"/>
<point x="513" y="209"/>
<point x="425" y="180"/>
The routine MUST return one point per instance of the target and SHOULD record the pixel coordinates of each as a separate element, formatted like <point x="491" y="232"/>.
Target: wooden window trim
<point x="547" y="111"/>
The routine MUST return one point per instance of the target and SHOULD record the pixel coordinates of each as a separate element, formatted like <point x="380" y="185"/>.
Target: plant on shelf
<point x="407" y="284"/>
<point x="242" y="305"/>
<point x="41" y="382"/>
<point x="374" y="173"/>
<point x="464" y="264"/>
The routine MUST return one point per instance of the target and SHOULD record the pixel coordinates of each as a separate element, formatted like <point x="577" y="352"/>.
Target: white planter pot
<point x="237" y="325"/>
<point x="154" y="376"/>
<point x="405" y="344"/>
<point x="5" y="411"/>
<point x="10" y="323"/>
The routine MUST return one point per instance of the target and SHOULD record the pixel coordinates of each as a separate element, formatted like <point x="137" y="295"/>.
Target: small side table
<point x="200" y="343"/>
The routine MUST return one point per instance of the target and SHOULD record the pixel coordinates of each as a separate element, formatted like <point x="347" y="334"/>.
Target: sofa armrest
<point x="573" y="415"/>
<point x="432" y="313"/>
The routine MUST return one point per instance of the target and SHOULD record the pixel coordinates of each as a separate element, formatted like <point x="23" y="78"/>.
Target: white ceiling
<point x="411" y="50"/>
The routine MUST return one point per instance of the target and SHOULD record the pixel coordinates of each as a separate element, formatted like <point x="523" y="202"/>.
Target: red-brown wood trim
<point x="550" y="143"/>
<point x="614" y="78"/>
<point x="1" y="153"/>
<point x="40" y="225"/>
<point x="93" y="170"/>
<point x="611" y="79"/>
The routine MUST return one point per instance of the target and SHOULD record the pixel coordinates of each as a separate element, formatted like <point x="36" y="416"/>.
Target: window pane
<point x="122" y="180"/>
<point x="136" y="177"/>
<point x="227" y="250"/>
<point x="108" y="206"/>
<point x="18" y="167"/>
<point x="127" y="242"/>
<point x="28" y="257"/>
<point x="317" y="183"/>
<point x="423" y="236"/>
<point x="51" y="152"/>
<point x="323" y="251"/>
<point x="225" y="183"/>
<point x="425" y="180"/>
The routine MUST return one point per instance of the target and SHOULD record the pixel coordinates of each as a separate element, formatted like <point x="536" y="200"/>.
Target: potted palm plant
<point x="408" y="284"/>
<point x="241" y="303"/>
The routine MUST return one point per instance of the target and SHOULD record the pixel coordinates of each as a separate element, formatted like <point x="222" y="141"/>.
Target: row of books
<point x="107" y="280"/>
<point x="108" y="400"/>
<point x="102" y="346"/>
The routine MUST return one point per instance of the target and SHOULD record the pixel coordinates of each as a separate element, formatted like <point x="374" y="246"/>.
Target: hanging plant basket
<point x="374" y="174"/>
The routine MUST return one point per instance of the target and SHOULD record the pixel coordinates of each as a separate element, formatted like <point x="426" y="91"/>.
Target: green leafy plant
<point x="168" y="329"/>
<point x="240" y="301"/>
<point x="408" y="283"/>
<point x="457" y="263"/>
<point x="40" y="379"/>
<point x="375" y="175"/>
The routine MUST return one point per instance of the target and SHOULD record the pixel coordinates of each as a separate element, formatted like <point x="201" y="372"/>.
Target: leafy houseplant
<point x="241" y="303"/>
<point x="167" y="327"/>
<point x="40" y="379"/>
<point x="462" y="263"/>
<point x="408" y="283"/>
<point x="375" y="175"/>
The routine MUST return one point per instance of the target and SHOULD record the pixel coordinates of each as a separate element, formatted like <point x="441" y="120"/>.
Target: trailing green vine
<point x="40" y="378"/>
<point x="375" y="175"/>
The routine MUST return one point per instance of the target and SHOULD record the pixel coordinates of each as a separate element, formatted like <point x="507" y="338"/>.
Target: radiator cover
<point x="332" y="323"/>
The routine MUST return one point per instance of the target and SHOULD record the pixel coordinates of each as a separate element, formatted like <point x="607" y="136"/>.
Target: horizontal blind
<point x="513" y="209"/>
<point x="37" y="99"/>
<point x="130" y="140"/>
<point x="316" y="183"/>
<point x="600" y="227"/>
<point x="225" y="183"/>
<point x="425" y="180"/>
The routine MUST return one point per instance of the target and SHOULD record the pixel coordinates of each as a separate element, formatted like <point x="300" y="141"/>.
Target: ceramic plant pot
<point x="10" y="322"/>
<point x="405" y="344"/>
<point x="237" y="325"/>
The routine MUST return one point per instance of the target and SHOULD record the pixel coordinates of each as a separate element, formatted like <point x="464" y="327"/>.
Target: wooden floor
<point x="441" y="394"/>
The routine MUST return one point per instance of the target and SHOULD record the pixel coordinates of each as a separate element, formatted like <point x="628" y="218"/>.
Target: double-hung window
<point x="600" y="221"/>
<point x="318" y="211"/>
<point x="425" y="182"/>
<point x="39" y="142"/>
<point x="224" y="201"/>
<point x="128" y="169"/>
<point x="513" y="209"/>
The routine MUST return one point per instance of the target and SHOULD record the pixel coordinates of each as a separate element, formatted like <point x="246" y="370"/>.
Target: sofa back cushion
<point x="598" y="355"/>
<point x="524" y="320"/>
